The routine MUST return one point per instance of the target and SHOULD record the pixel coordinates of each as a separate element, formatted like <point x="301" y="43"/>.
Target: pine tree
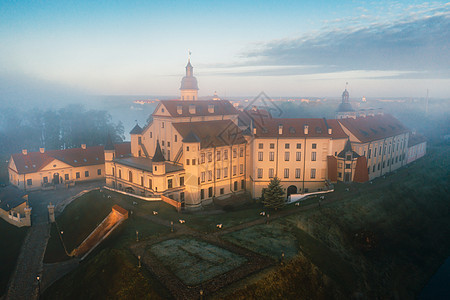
<point x="274" y="195"/>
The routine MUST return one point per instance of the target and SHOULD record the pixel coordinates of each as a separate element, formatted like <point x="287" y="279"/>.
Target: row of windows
<point x="221" y="191"/>
<point x="287" y="155"/>
<point x="286" y="146"/>
<point x="297" y="173"/>
<point x="387" y="149"/>
<point x="175" y="137"/>
<point x="66" y="177"/>
<point x="388" y="163"/>
<point x="220" y="173"/>
<point x="208" y="156"/>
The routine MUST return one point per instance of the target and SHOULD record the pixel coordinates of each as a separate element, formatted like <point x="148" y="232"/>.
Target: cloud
<point x="418" y="45"/>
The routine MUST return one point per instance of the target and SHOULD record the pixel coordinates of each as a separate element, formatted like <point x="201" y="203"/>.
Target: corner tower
<point x="189" y="86"/>
<point x="345" y="109"/>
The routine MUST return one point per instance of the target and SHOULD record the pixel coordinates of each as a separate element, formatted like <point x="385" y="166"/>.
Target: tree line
<point x="68" y="127"/>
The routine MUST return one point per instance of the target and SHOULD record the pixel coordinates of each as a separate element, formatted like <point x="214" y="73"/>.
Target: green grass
<point x="111" y="274"/>
<point x="195" y="261"/>
<point x="11" y="239"/>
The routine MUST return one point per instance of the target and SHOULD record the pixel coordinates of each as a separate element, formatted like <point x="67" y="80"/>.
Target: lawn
<point x="11" y="239"/>
<point x="195" y="261"/>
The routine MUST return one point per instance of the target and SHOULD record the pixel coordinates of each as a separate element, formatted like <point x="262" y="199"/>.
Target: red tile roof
<point x="221" y="107"/>
<point x="212" y="133"/>
<point x="75" y="157"/>
<point x="295" y="128"/>
<point x="372" y="128"/>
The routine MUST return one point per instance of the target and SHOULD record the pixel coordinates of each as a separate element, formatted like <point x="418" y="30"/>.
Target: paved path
<point x="23" y="283"/>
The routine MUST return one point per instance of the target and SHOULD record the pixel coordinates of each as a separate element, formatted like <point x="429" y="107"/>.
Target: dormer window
<point x="179" y="109"/>
<point x="211" y="108"/>
<point x="192" y="109"/>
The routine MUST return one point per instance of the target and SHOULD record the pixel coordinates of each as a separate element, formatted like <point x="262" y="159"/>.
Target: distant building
<point x="14" y="208"/>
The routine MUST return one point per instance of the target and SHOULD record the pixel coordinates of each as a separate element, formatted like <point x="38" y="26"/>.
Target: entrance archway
<point x="291" y="190"/>
<point x="56" y="178"/>
<point x="347" y="177"/>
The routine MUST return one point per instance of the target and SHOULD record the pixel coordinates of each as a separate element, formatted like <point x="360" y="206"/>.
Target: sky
<point x="239" y="48"/>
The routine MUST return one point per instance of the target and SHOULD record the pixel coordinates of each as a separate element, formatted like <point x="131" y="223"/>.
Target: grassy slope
<point x="405" y="217"/>
<point x="11" y="238"/>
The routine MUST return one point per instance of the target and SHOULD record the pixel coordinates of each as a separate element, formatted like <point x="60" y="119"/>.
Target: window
<point x="218" y="173"/>
<point x="370" y="153"/>
<point x="202" y="176"/>
<point x="130" y="176"/>
<point x="222" y="191"/>
<point x="313" y="156"/>
<point x="209" y="157"/>
<point x="260" y="146"/>
<point x="209" y="175"/>
<point x="162" y="143"/>
<point x="139" y="153"/>
<point x="181" y="181"/>
<point x="241" y="169"/>
<point x="234" y="170"/>
<point x="286" y="173"/>
<point x="339" y="165"/>
<point x="373" y="168"/>
<point x="225" y="154"/>
<point x="188" y="162"/>
<point x="235" y="186"/>
<point x="299" y="146"/>
<point x="271" y="156"/>
<point x="86" y="173"/>
<point x="193" y="161"/>
<point x="286" y="156"/>
<point x="29" y="182"/>
<point x="378" y="167"/>
<point x="139" y="140"/>
<point x="349" y="157"/>
<point x="182" y="196"/>
<point x="162" y="124"/>
<point x="202" y="158"/>
<point x="241" y="152"/>
<point x="168" y="154"/>
<point x="384" y="165"/>
<point x="202" y="194"/>
<point x="176" y="138"/>
<point x="314" y="146"/>
<point x="298" y="156"/>
<point x="340" y="175"/>
<point x="260" y="156"/>
<point x="234" y="153"/>
<point x="225" y="172"/>
<point x="375" y="152"/>
<point x="297" y="173"/>
<point x="66" y="176"/>
<point x="218" y="155"/>
<point x="142" y="180"/>
<point x="46" y="179"/>
<point x="286" y="146"/>
<point x="313" y="173"/>
<point x="242" y="184"/>
<point x="168" y="144"/>
<point x="120" y="174"/>
<point x="260" y="173"/>
<point x="169" y="183"/>
<point x="271" y="173"/>
<point x="347" y="166"/>
<point x="150" y="186"/>
<point x="151" y="135"/>
<point x="209" y="192"/>
<point x="272" y="146"/>
<point x="99" y="172"/>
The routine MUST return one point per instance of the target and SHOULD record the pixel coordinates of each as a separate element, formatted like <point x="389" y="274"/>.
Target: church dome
<point x="189" y="83"/>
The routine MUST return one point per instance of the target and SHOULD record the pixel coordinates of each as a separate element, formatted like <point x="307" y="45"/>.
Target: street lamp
<point x="137" y="236"/>
<point x="39" y="285"/>
<point x="171" y="226"/>
<point x="139" y="259"/>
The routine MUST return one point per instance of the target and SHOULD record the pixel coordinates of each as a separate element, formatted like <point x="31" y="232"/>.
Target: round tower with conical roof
<point x="189" y="85"/>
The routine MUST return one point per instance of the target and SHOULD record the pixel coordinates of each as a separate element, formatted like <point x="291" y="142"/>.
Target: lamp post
<point x="201" y="294"/>
<point x="139" y="261"/>
<point x="137" y="236"/>
<point x="171" y="226"/>
<point x="39" y="285"/>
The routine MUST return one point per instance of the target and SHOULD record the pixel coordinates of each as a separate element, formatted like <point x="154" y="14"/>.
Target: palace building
<point x="195" y="151"/>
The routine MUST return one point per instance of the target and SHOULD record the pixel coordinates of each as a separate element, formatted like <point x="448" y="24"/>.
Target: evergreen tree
<point x="274" y="195"/>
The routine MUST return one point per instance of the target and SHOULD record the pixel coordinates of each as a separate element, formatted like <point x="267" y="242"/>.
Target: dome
<point x="344" y="107"/>
<point x="189" y="83"/>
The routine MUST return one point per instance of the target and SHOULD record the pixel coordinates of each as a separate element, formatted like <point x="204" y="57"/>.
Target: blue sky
<point x="239" y="48"/>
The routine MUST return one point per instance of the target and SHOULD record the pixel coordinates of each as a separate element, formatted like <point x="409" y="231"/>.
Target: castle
<point x="194" y="151"/>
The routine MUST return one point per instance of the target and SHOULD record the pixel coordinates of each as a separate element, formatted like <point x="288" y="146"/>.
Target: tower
<point x="345" y="109"/>
<point x="158" y="161"/>
<point x="189" y="86"/>
<point x="109" y="149"/>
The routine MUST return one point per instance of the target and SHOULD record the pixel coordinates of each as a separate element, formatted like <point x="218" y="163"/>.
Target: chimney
<point x="83" y="146"/>
<point x="24" y="152"/>
<point x="192" y="109"/>
<point x="179" y="109"/>
<point x="254" y="130"/>
<point x="305" y="129"/>
<point x="42" y="150"/>
<point x="211" y="108"/>
<point x="330" y="130"/>
<point x="280" y="129"/>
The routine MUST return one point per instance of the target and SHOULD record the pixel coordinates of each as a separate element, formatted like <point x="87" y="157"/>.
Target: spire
<point x="189" y="69"/>
<point x="109" y="144"/>
<point x="159" y="156"/>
